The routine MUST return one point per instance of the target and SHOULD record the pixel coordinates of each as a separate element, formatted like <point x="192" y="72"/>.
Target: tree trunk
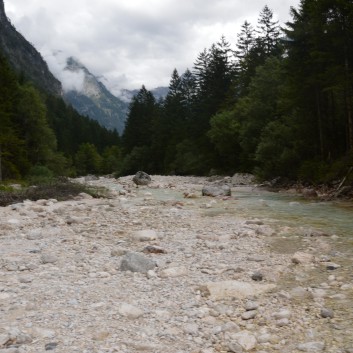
<point x="319" y="117"/>
<point x="0" y="165"/>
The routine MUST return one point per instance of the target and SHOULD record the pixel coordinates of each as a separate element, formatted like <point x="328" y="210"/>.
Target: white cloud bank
<point x="133" y="42"/>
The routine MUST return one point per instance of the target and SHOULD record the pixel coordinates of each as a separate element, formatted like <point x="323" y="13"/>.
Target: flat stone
<point x="174" y="272"/>
<point x="311" y="347"/>
<point x="303" y="258"/>
<point x="48" y="258"/>
<point x="251" y="314"/>
<point x="130" y="311"/>
<point x="144" y="235"/>
<point x="326" y="313"/>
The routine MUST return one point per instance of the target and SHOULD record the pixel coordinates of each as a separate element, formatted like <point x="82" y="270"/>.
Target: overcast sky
<point x="133" y="42"/>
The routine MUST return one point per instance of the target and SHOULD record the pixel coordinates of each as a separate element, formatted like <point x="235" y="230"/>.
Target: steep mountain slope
<point x="94" y="100"/>
<point x="24" y="58"/>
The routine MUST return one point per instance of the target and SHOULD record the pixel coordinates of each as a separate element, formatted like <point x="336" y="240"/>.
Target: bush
<point x="40" y="175"/>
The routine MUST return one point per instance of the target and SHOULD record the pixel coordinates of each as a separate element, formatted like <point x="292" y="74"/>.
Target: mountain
<point x="91" y="98"/>
<point x="24" y="58"/>
<point x="159" y="93"/>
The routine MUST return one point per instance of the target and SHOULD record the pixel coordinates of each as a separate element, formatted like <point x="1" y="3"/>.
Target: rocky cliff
<point x="24" y="58"/>
<point x="91" y="98"/>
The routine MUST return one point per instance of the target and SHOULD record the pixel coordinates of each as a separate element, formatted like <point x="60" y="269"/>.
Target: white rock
<point x="144" y="235"/>
<point x="311" y="347"/>
<point x="282" y="314"/>
<point x="130" y="311"/>
<point x="174" y="272"/>
<point x="246" y="340"/>
<point x="303" y="258"/>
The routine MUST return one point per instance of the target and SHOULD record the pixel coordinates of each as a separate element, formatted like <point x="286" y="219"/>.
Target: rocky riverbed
<point x="161" y="268"/>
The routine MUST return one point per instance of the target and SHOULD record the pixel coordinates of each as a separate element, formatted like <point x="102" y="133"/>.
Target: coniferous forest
<point x="280" y="104"/>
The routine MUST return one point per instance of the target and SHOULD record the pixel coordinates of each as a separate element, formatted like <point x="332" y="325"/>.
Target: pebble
<point x="326" y="313"/>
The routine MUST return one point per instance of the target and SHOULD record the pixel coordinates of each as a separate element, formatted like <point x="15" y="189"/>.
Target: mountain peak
<point x="88" y="95"/>
<point x="23" y="57"/>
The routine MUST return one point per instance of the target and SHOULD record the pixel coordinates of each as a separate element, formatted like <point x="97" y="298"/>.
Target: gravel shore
<point x="160" y="268"/>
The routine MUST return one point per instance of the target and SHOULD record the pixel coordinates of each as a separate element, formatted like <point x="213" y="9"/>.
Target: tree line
<point x="40" y="136"/>
<point x="280" y="104"/>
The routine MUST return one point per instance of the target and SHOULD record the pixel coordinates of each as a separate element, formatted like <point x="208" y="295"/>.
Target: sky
<point x="128" y="43"/>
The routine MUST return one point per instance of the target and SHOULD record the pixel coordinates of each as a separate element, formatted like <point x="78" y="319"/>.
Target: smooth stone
<point x="50" y="346"/>
<point x="303" y="258"/>
<point x="144" y="235"/>
<point x="48" y="259"/>
<point x="257" y="276"/>
<point x="130" y="311"/>
<point x="216" y="190"/>
<point x="118" y="251"/>
<point x="251" y="314"/>
<point x="326" y="313"/>
<point x="311" y="347"/>
<point x="141" y="178"/>
<point x="174" y="272"/>
<point x="250" y="305"/>
<point x="282" y="314"/>
<point x="282" y="322"/>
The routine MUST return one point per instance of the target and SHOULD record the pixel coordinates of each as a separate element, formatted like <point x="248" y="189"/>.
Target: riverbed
<point x="255" y="272"/>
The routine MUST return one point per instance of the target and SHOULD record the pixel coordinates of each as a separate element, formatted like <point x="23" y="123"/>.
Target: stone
<point x="144" y="235"/>
<point x="234" y="347"/>
<point x="136" y="262"/>
<point x="50" y="346"/>
<point x="251" y="314"/>
<point x="326" y="313"/>
<point x="282" y="314"/>
<point x="141" y="178"/>
<point x="311" y="347"/>
<point x="303" y="258"/>
<point x="153" y="249"/>
<point x="257" y="276"/>
<point x="332" y="266"/>
<point x="251" y="305"/>
<point x="239" y="290"/>
<point x="246" y="340"/>
<point x="216" y="190"/>
<point x="130" y="311"/>
<point x="49" y="259"/>
<point x="174" y="272"/>
<point x="118" y="251"/>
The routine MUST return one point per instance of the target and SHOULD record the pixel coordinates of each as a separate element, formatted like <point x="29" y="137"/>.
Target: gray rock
<point x="50" y="346"/>
<point x="141" y="178"/>
<point x="136" y="262"/>
<point x="257" y="276"/>
<point x="326" y="313"/>
<point x="250" y="305"/>
<point x="251" y="314"/>
<point x="48" y="259"/>
<point x="215" y="190"/>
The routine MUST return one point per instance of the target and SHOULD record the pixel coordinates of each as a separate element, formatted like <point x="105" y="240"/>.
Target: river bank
<point x="149" y="270"/>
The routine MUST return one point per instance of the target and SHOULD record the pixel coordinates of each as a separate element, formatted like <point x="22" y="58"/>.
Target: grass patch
<point x="60" y="190"/>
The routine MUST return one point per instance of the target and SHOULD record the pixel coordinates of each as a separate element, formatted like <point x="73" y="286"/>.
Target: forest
<point x="280" y="104"/>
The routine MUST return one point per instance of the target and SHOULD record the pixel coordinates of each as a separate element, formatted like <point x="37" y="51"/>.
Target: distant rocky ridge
<point x="24" y="58"/>
<point x="94" y="100"/>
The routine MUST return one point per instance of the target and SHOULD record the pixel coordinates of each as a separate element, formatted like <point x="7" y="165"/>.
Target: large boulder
<point x="216" y="190"/>
<point x="141" y="178"/>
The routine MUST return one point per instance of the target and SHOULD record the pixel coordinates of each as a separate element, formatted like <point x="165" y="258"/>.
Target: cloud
<point x="71" y="80"/>
<point x="134" y="42"/>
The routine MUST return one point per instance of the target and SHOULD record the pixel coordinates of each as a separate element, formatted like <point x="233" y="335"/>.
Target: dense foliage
<point x="280" y="104"/>
<point x="40" y="136"/>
